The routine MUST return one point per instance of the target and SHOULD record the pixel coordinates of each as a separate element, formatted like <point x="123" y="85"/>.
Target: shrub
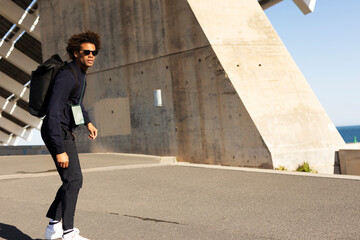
<point x="281" y="168"/>
<point x="305" y="167"/>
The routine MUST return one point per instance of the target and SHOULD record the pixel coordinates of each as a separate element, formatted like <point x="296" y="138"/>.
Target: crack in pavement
<point x="152" y="219"/>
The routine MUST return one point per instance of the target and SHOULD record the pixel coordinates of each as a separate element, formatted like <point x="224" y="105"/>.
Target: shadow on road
<point x="10" y="232"/>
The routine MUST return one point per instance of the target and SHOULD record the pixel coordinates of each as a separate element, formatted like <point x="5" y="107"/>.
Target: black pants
<point x="63" y="207"/>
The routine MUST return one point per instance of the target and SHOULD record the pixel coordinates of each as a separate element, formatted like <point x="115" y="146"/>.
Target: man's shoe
<point x="74" y="235"/>
<point x="54" y="231"/>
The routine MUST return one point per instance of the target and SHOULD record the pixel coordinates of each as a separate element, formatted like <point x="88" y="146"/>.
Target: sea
<point x="350" y="134"/>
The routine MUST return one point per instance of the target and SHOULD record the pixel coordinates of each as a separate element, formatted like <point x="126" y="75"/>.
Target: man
<point x="57" y="132"/>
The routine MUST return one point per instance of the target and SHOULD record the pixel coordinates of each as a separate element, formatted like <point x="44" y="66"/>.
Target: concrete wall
<point x="350" y="161"/>
<point x="232" y="94"/>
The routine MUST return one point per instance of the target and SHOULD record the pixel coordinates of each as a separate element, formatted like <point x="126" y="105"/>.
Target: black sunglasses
<point x="87" y="52"/>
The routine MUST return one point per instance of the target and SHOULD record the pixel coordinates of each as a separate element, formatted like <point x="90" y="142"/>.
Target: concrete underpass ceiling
<point x="20" y="53"/>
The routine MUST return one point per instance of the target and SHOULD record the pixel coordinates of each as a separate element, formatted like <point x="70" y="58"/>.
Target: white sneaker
<point x="74" y="235"/>
<point x="54" y="231"/>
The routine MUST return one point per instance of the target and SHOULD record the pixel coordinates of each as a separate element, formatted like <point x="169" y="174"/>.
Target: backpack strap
<point x="70" y="69"/>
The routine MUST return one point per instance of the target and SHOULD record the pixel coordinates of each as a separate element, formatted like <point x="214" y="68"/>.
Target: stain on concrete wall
<point x="113" y="117"/>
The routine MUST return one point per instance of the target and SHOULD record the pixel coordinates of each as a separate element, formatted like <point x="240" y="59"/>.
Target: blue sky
<point x="325" y="45"/>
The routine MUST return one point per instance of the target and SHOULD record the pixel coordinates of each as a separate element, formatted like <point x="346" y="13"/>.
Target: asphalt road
<point x="139" y="197"/>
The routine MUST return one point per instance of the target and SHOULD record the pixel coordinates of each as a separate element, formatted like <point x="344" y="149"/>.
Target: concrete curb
<point x="270" y="171"/>
<point x="168" y="160"/>
<point x="171" y="161"/>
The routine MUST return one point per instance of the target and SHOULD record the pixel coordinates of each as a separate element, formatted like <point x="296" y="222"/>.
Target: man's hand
<point x="62" y="160"/>
<point x="93" y="131"/>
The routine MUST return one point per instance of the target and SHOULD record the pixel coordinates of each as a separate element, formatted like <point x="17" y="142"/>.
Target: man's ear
<point x="76" y="54"/>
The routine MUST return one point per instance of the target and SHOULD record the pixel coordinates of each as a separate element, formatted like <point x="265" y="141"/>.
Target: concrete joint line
<point x="150" y="59"/>
<point x="269" y="171"/>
